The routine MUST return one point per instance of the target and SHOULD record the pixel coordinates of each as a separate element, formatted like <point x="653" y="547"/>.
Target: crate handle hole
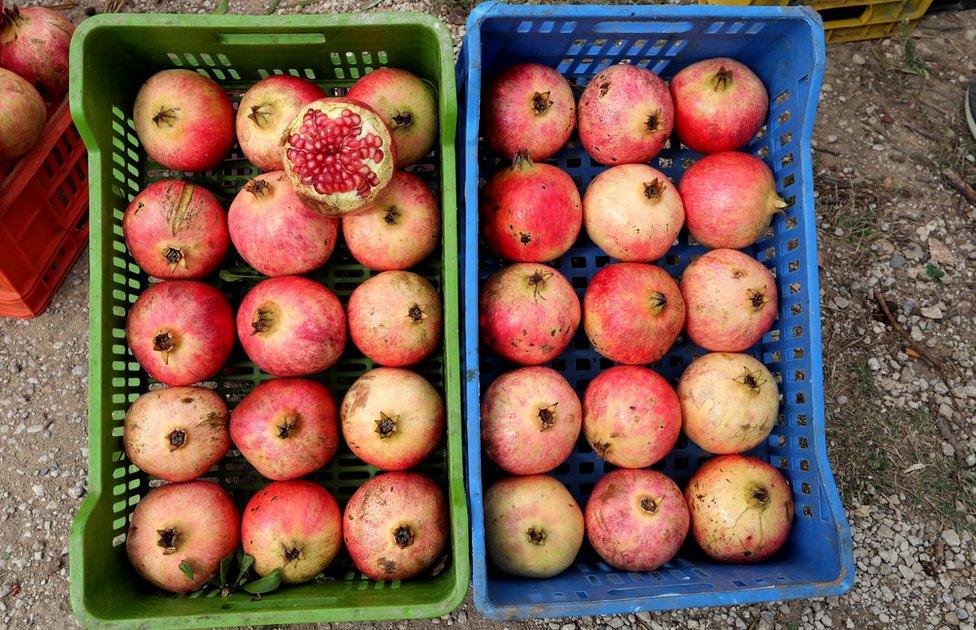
<point x="633" y="28"/>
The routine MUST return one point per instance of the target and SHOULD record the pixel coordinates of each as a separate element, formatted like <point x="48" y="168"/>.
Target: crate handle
<point x="270" y="39"/>
<point x="633" y="28"/>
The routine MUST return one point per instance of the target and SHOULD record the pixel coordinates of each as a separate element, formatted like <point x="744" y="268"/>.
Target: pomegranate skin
<point x="632" y="312"/>
<point x="741" y="509"/>
<point x="730" y="199"/>
<point x="177" y="433"/>
<point x="176" y="230"/>
<point x="396" y="525"/>
<point x="184" y="120"/>
<point x="180" y="331"/>
<point x="529" y="107"/>
<point x="22" y="115"/>
<point x="530" y="420"/>
<point x="392" y="418"/>
<point x="631" y="416"/>
<point x="625" y="115"/>
<point x="399" y="229"/>
<point x="396" y="318"/>
<point x="291" y="326"/>
<point x="286" y="428"/>
<point x="275" y="232"/>
<point x="731" y="300"/>
<point x="720" y="105"/>
<point x="294" y="526"/>
<point x="195" y="522"/>
<point x="636" y="519"/>
<point x="528" y="313"/>
<point x="633" y="212"/>
<point x="34" y="43"/>
<point x="530" y="212"/>
<point x="264" y="113"/>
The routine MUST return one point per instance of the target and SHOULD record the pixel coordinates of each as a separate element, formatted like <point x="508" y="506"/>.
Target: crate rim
<point x="469" y="200"/>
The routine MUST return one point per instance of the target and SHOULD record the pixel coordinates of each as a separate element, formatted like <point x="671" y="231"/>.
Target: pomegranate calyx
<point x="403" y="536"/>
<point x="166" y="116"/>
<point x="386" y="425"/>
<point x="655" y="188"/>
<point x="402" y="119"/>
<point x="779" y="205"/>
<point x="391" y="215"/>
<point x="168" y="538"/>
<point x="525" y="238"/>
<point x="759" y="497"/>
<point x="260" y="114"/>
<point x="264" y="320"/>
<point x="722" y="79"/>
<point x="601" y="448"/>
<point x="288" y="426"/>
<point x="537" y="535"/>
<point x="538" y="281"/>
<point x="522" y="160"/>
<point x="754" y="380"/>
<point x="547" y="417"/>
<point x="541" y="103"/>
<point x="177" y="439"/>
<point x="291" y="554"/>
<point x="417" y="313"/>
<point x="649" y="504"/>
<point x="164" y="342"/>
<point x="655" y="121"/>
<point x="259" y="187"/>
<point x="658" y="302"/>
<point x="758" y="298"/>
<point x="174" y="257"/>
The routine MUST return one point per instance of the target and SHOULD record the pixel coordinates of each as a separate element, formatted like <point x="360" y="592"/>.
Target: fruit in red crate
<point x="396" y="525"/>
<point x="625" y="115"/>
<point x="533" y="526"/>
<point x="264" y="113"/>
<point x="406" y="104"/>
<point x="730" y="199"/>
<point x="339" y="155"/>
<point x="184" y="120"/>
<point x="720" y="104"/>
<point x="392" y="418"/>
<point x="396" y="318"/>
<point x="731" y="300"/>
<point x="631" y="416"/>
<point x="741" y="508"/>
<point x="632" y="312"/>
<point x="291" y="326"/>
<point x="286" y="427"/>
<point x="530" y="212"/>
<point x="179" y="532"/>
<point x="530" y="420"/>
<point x="34" y="44"/>
<point x="528" y="313"/>
<point x="180" y="331"/>
<point x="528" y="107"/>
<point x="293" y="526"/>
<point x="175" y="229"/>
<point x="399" y="229"/>
<point x="275" y="232"/>
<point x="177" y="433"/>
<point x="729" y="402"/>
<point x="636" y="519"/>
<point x="633" y="212"/>
<point x="22" y="115"/>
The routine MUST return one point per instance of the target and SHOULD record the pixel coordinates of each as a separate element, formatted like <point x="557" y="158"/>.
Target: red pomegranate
<point x="34" y="44"/>
<point x="528" y="107"/>
<point x="22" y="115"/>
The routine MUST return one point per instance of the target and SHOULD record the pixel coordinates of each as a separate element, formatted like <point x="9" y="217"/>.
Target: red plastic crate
<point x="43" y="217"/>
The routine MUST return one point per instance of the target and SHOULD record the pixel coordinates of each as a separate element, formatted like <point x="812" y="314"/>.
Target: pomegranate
<point x="632" y="312"/>
<point x="625" y="115"/>
<point x="730" y="199"/>
<point x="399" y="229"/>
<point x="339" y="155"/>
<point x="293" y="526"/>
<point x="533" y="526"/>
<point x="720" y="105"/>
<point x="175" y="229"/>
<point x="636" y="519"/>
<point x="631" y="416"/>
<point x="275" y="232"/>
<point x="633" y="212"/>
<point x="286" y="427"/>
<point x="179" y="532"/>
<point x="180" y="331"/>
<point x="406" y="104"/>
<point x="731" y="300"/>
<point x="184" y="120"/>
<point x="396" y="318"/>
<point x="528" y="313"/>
<point x="530" y="420"/>
<point x="22" y="115"/>
<point x="177" y="433"/>
<point x="396" y="525"/>
<point x="729" y="402"/>
<point x="530" y="212"/>
<point x="34" y="44"/>
<point x="741" y="508"/>
<point x="392" y="418"/>
<point x="528" y="107"/>
<point x="291" y="326"/>
<point x="264" y="113"/>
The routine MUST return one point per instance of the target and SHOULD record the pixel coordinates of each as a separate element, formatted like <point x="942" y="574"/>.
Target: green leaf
<point x="222" y="7"/>
<point x="231" y="275"/>
<point x="246" y="562"/>
<point x="934" y="272"/>
<point x="225" y="564"/>
<point x="187" y="570"/>
<point x="197" y="593"/>
<point x="264" y="585"/>
<point x="213" y="593"/>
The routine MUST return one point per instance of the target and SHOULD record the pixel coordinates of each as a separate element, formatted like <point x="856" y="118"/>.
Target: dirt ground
<point x="898" y="273"/>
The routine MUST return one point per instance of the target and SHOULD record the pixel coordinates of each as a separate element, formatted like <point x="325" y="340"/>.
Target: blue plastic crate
<point x="785" y="47"/>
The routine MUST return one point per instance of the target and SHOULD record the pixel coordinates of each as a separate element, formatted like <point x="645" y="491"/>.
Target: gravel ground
<point x="900" y="407"/>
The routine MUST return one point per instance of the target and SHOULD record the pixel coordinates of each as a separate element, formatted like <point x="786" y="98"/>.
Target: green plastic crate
<point x="111" y="56"/>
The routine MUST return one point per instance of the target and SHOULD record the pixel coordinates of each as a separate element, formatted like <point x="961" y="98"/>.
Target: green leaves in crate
<point x="235" y="574"/>
<point x="187" y="570"/>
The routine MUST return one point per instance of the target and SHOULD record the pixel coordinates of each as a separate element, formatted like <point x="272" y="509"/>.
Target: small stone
<point x="645" y="617"/>
<point x="962" y="613"/>
<point x="462" y="617"/>
<point x="951" y="538"/>
<point x="38" y="490"/>
<point x="859" y="59"/>
<point x="948" y="450"/>
<point x="906" y="572"/>
<point x="951" y="619"/>
<point x="874" y="364"/>
<point x="841" y="302"/>
<point x="932" y="312"/>
<point x="568" y="626"/>
<point x="896" y="261"/>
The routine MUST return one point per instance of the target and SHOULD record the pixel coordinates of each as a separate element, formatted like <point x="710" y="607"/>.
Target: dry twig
<point x="960" y="185"/>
